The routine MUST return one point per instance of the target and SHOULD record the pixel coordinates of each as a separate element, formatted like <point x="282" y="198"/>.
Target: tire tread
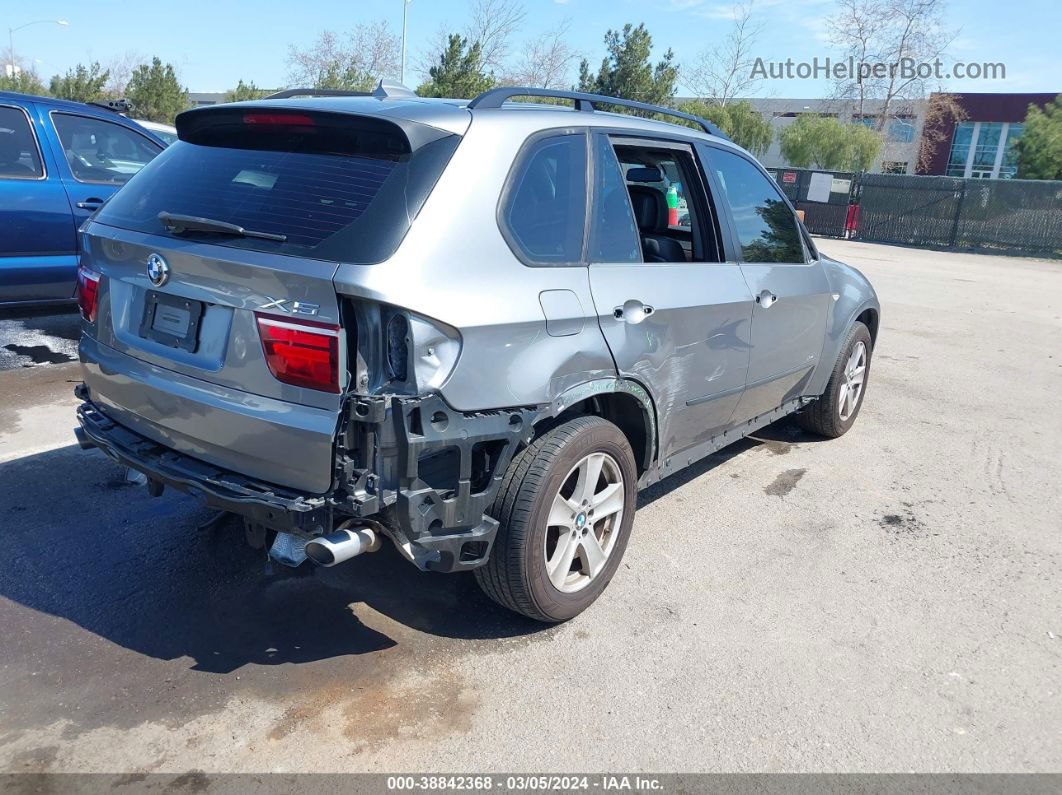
<point x="821" y="417"/>
<point x="501" y="577"/>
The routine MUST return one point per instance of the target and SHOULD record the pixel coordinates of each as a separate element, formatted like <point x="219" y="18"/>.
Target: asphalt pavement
<point x="888" y="601"/>
<point x="32" y="337"/>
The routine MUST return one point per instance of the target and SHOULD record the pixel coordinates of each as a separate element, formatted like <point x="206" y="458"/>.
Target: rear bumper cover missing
<point x="425" y="471"/>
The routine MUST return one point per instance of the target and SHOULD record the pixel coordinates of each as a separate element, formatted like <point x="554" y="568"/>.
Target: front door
<point x="675" y="314"/>
<point x="37" y="245"/>
<point x="791" y="293"/>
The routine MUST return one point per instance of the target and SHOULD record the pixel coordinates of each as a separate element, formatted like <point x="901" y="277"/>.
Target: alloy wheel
<point x="584" y="521"/>
<point x="855" y="370"/>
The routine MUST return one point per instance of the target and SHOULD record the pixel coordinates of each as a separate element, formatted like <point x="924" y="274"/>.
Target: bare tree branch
<point x="121" y="68"/>
<point x="354" y="61"/>
<point x="492" y="25"/>
<point x="942" y="112"/>
<point x="546" y="61"/>
<point x="722" y="73"/>
<point x="890" y="32"/>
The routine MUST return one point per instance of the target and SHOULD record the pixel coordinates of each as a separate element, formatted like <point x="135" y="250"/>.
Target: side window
<point x="101" y="151"/>
<point x="669" y="204"/>
<point x="766" y="228"/>
<point x="613" y="232"/>
<point x="19" y="156"/>
<point x="545" y="212"/>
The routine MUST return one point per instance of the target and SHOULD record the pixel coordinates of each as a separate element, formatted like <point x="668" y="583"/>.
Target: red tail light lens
<point x="300" y="352"/>
<point x="88" y="287"/>
<point x="279" y="119"/>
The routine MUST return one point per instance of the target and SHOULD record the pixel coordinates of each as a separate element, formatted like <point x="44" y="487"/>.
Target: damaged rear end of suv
<point x="472" y="328"/>
<point x="222" y="356"/>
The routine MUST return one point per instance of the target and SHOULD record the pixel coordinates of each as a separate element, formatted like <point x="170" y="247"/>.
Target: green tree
<point x="24" y="80"/>
<point x="1040" y="146"/>
<point x="156" y="93"/>
<point x="82" y="83"/>
<point x="741" y="122"/>
<point x="627" y="70"/>
<point x="244" y="91"/>
<point x="827" y="143"/>
<point x="459" y="72"/>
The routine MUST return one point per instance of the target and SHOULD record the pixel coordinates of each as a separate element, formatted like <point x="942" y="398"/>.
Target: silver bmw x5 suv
<point x="475" y="328"/>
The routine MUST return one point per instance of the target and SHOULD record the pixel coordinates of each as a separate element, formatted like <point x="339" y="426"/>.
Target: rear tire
<point x="832" y="414"/>
<point x="566" y="508"/>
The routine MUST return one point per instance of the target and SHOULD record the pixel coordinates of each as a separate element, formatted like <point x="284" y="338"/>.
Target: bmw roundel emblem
<point x="158" y="271"/>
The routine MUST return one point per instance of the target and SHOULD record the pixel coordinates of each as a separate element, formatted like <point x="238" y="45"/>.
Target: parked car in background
<point x="59" y="161"/>
<point x="475" y="328"/>
<point x="167" y="133"/>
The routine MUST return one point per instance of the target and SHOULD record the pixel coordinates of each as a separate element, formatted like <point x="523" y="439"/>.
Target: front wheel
<point x="566" y="508"/>
<point x="833" y="413"/>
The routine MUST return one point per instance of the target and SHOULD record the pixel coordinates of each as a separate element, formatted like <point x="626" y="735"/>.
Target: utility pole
<point x="405" y="7"/>
<point x="11" y="39"/>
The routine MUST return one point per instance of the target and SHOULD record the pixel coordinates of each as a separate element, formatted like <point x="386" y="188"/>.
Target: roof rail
<point x="385" y="89"/>
<point x="496" y="97"/>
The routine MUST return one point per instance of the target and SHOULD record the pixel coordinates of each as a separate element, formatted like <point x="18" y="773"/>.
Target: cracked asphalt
<point x="888" y="601"/>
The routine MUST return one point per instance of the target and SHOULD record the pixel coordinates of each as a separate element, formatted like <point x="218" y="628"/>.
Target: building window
<point x="893" y="166"/>
<point x="986" y="146"/>
<point x="901" y="131"/>
<point x="960" y="149"/>
<point x="984" y="150"/>
<point x="1008" y="169"/>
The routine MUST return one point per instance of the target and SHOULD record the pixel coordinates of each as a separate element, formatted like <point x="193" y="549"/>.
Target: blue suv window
<point x="102" y="151"/>
<point x="546" y="210"/>
<point x="19" y="156"/>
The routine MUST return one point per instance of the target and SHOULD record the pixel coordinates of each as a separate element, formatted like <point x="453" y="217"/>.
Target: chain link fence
<point x="1001" y="214"/>
<point x="1012" y="216"/>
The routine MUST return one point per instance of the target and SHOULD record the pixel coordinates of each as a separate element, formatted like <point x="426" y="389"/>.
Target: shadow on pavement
<point x="81" y="544"/>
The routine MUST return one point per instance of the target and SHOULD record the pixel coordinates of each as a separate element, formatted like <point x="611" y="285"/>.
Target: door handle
<point x="632" y="311"/>
<point x="766" y="299"/>
<point x="90" y="204"/>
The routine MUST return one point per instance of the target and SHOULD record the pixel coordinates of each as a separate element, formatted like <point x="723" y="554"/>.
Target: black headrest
<point x="650" y="208"/>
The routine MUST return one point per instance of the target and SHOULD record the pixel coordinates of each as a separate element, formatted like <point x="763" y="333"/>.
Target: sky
<point x="215" y="43"/>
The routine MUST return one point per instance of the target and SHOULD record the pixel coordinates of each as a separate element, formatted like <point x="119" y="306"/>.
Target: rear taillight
<point x="300" y="352"/>
<point x="88" y="287"/>
<point x="279" y="119"/>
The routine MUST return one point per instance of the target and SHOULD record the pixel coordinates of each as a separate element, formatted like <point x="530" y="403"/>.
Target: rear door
<point x="228" y="345"/>
<point x="37" y="244"/>
<point x="681" y="327"/>
<point x="791" y="293"/>
<point x="97" y="155"/>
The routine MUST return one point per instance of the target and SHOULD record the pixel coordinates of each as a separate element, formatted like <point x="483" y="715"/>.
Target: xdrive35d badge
<point x="520" y="316"/>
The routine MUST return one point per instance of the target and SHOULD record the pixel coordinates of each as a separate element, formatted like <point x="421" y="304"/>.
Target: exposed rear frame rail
<point x="496" y="98"/>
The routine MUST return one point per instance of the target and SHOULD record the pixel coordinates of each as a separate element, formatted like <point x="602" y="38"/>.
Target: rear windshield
<point x="343" y="189"/>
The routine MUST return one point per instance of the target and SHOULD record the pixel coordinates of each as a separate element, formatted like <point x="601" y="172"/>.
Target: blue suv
<point x="59" y="161"/>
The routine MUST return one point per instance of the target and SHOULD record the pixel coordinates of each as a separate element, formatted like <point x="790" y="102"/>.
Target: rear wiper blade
<point x="179" y="224"/>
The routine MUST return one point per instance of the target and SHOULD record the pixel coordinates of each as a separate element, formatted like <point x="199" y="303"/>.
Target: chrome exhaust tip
<point x="342" y="544"/>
